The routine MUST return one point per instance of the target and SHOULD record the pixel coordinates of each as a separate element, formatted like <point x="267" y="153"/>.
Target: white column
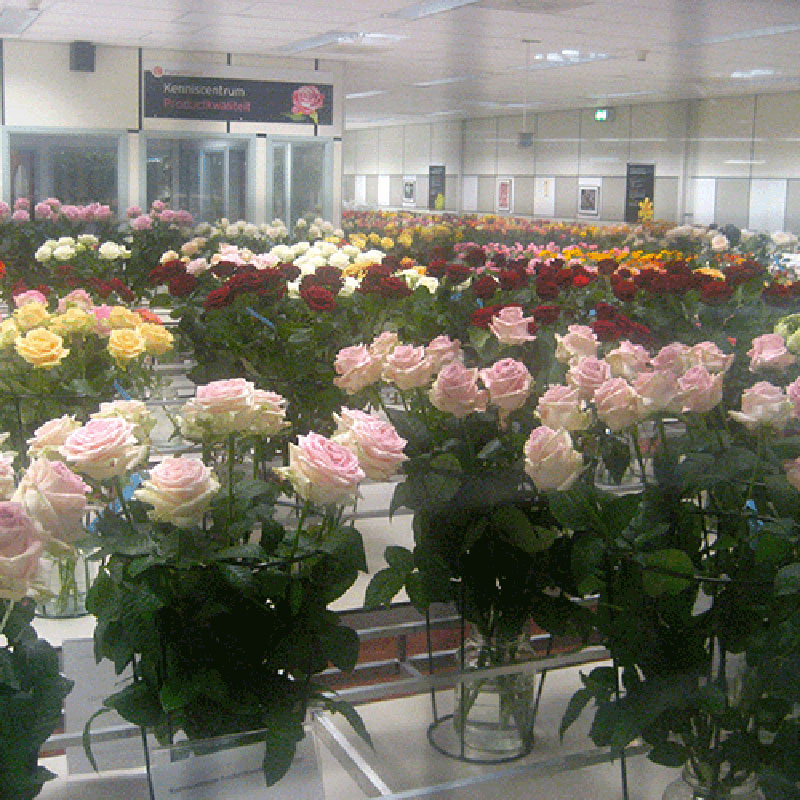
<point x="261" y="179"/>
<point x="137" y="188"/>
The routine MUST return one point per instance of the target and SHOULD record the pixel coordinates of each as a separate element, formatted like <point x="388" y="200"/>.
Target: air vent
<point x="535" y="6"/>
<point x="525" y="139"/>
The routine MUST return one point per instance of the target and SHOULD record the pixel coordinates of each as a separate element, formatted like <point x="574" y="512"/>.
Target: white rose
<point x="63" y="252"/>
<point x="110" y="251"/>
<point x="349" y="286"/>
<point x="719" y="242"/>
<point x="429" y="282"/>
<point x="68" y="241"/>
<point x="44" y="253"/>
<point x="339" y="259"/>
<point x="300" y="248"/>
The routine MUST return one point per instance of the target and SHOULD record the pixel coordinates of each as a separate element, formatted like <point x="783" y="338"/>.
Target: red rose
<point x="437" y="267"/>
<point x="484" y="287"/>
<point x="318" y="298"/>
<point x="218" y="298"/>
<point x="606" y="330"/>
<point x="605" y="311"/>
<point x="289" y="271"/>
<point x="475" y="257"/>
<point x="457" y="273"/>
<point x="391" y="286"/>
<point x="122" y="290"/>
<point x="624" y="290"/>
<point x="545" y="315"/>
<point x="581" y="281"/>
<point x="778" y="293"/>
<point x="327" y="277"/>
<point x="481" y="317"/>
<point x="716" y="292"/>
<point x="546" y="289"/>
<point x="307" y="100"/>
<point x="638" y="333"/>
<point x="223" y="269"/>
<point x="45" y="289"/>
<point x="511" y="279"/>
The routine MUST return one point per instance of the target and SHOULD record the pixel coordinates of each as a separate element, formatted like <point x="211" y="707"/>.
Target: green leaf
<point x="346" y="544"/>
<point x="517" y="528"/>
<point x="340" y="646"/>
<point x="352" y="716"/>
<point x="787" y="581"/>
<point x="666" y="572"/>
<point x="86" y="738"/>
<point x="137" y="704"/>
<point x="670" y="754"/>
<point x="574" y="709"/>
<point x="385" y="584"/>
<point x="399" y="558"/>
<point x="574" y="509"/>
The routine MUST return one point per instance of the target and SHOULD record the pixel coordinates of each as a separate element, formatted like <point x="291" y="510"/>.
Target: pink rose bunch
<point x="769" y="352"/>
<point x="562" y="407"/>
<point x="21" y="546"/>
<point x="42" y="211"/>
<point x="551" y="461"/>
<point x="180" y="490"/>
<point x="579" y="342"/>
<point x="408" y="367"/>
<point x="509" y="385"/>
<point x="356" y="368"/>
<point x="322" y="471"/>
<point x="103" y="448"/>
<point x="20" y="216"/>
<point x="142" y="223"/>
<point x="763" y="405"/>
<point x="617" y="404"/>
<point x="374" y="441"/>
<point x="587" y="374"/>
<point x="699" y="391"/>
<point x="133" y="211"/>
<point x="511" y="326"/>
<point x="455" y="390"/>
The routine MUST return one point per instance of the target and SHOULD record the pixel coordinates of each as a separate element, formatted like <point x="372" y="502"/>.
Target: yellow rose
<point x="405" y="240"/>
<point x="125" y="344"/>
<point x="73" y="320"/>
<point x="121" y="317"/>
<point x="8" y="333"/>
<point x="31" y="315"/>
<point x="386" y="243"/>
<point x="41" y="347"/>
<point x="373" y="238"/>
<point x="157" y="339"/>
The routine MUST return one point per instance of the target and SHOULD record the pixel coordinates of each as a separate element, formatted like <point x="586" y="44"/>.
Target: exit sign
<point x="602" y="114"/>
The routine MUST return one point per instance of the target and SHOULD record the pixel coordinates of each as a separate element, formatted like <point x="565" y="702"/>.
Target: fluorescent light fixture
<point x="563" y="58"/>
<point x="371" y="93"/>
<point x="15" y="21"/>
<point x="743" y="161"/>
<point x="428" y="8"/>
<point x="611" y="95"/>
<point x="752" y="73"/>
<point x="443" y="81"/>
<point x="444" y="113"/>
<point x="339" y="37"/>
<point x="757" y="33"/>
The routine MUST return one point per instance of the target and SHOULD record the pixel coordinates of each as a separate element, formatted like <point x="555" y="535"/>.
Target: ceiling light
<point x="564" y="58"/>
<point x="752" y="73"/>
<point x="775" y="30"/>
<point x="427" y="9"/>
<point x="443" y="113"/>
<point x="339" y="38"/>
<point x="744" y="161"/>
<point x="371" y="93"/>
<point x="442" y="81"/>
<point x="15" y="21"/>
<point x="617" y="95"/>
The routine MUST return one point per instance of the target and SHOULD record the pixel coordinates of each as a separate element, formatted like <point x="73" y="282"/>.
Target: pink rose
<point x="5" y="210"/>
<point x="142" y="223"/>
<point x="407" y="367"/>
<point x="268" y="416"/>
<point x="617" y="404"/>
<point x="322" y="471"/>
<point x="374" y="441"/>
<point x="455" y="390"/>
<point x="133" y="212"/>
<point x="562" y="407"/>
<point x="180" y="491"/>
<point x="510" y="326"/>
<point x="675" y="357"/>
<point x="587" y="374"/>
<point x="20" y="548"/>
<point x="229" y="395"/>
<point x="627" y="360"/>
<point x="20" y="216"/>
<point x="218" y="408"/>
<point x="102" y="314"/>
<point x="7" y="477"/>
<point x="22" y="204"/>
<point x="550" y="459"/>
<point x="356" y="368"/>
<point x="769" y="352"/>
<point x="77" y="298"/>
<point x="48" y="438"/>
<point x="55" y="497"/>
<point x="197" y="266"/>
<point x="699" y="390"/>
<point x="442" y="350"/>
<point x="708" y="355"/>
<point x="792" y="469"/>
<point x="763" y="405"/>
<point x="103" y="448"/>
<point x="793" y="393"/>
<point x="382" y="345"/>
<point x="509" y="384"/>
<point x="579" y="342"/>
<point x="657" y="391"/>
<point x="158" y="205"/>
<point x="72" y="213"/>
<point x="307" y="100"/>
<point x="42" y="211"/>
<point x="31" y="296"/>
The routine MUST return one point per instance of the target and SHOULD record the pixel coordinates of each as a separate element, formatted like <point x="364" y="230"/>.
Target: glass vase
<point x="67" y="580"/>
<point x="690" y="787"/>
<point x="493" y="716"/>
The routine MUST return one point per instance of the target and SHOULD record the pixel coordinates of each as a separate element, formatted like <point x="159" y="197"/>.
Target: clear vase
<point x="690" y="787"/>
<point x="67" y="580"/>
<point x="493" y="716"/>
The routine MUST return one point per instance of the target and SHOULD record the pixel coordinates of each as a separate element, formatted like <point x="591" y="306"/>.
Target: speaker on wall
<point x="81" y="57"/>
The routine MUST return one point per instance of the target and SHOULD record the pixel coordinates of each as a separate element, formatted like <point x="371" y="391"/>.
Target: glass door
<point x="213" y="184"/>
<point x="302" y="180"/>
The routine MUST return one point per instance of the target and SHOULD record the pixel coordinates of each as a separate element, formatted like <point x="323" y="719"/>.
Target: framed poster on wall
<point x="505" y="194"/>
<point x="409" y="191"/>
<point x="640" y="184"/>
<point x="436" y="184"/>
<point x="589" y="200"/>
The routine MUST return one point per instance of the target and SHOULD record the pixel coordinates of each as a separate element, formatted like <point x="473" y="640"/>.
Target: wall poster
<point x="505" y="194"/>
<point x="589" y="200"/>
<point x="409" y="191"/>
<point x="436" y="179"/>
<point x="640" y="183"/>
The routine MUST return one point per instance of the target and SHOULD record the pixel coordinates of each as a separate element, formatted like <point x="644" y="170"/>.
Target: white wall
<point x="740" y="154"/>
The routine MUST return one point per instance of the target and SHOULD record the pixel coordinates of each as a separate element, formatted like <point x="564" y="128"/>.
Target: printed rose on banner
<point x="306" y="102"/>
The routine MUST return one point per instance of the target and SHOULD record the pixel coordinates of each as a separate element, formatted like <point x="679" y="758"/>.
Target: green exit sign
<point x="602" y="114"/>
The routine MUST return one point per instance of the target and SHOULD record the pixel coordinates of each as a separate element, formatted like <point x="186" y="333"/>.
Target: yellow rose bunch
<point x="126" y="344"/>
<point x="41" y="348"/>
<point x="121" y="317"/>
<point x="157" y="339"/>
<point x="73" y="320"/>
<point x="31" y="315"/>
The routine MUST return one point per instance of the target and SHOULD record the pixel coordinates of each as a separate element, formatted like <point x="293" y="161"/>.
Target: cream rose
<point x="134" y="411"/>
<point x="356" y="368"/>
<point x="455" y="390"/>
<point x="180" y="491"/>
<point x="708" y="355"/>
<point x="508" y="383"/>
<point x="218" y="408"/>
<point x="407" y="367"/>
<point x="20" y="548"/>
<point x="268" y="416"/>
<point x="382" y="345"/>
<point x="617" y="404"/>
<point x="374" y="441"/>
<point x="550" y="459"/>
<point x="7" y="477"/>
<point x="562" y="407"/>
<point x="627" y="360"/>
<point x="763" y="405"/>
<point x="73" y="320"/>
<point x="31" y="315"/>
<point x="510" y="326"/>
<point x="699" y="390"/>
<point x="121" y="317"/>
<point x="48" y="438"/>
<point x="41" y="348"/>
<point x="9" y="333"/>
<point x="657" y="391"/>
<point x="103" y="448"/>
<point x="322" y="471"/>
<point x="769" y="352"/>
<point x="586" y="374"/>
<point x="579" y="342"/>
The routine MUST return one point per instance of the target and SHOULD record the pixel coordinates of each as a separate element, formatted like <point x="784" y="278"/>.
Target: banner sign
<point x="236" y="99"/>
<point x="639" y="184"/>
<point x="436" y="181"/>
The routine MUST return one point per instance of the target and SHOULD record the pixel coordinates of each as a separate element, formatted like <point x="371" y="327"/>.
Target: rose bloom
<point x="719" y="242"/>
<point x="657" y="391"/>
<point x="455" y="390"/>
<point x="134" y="411"/>
<point x="763" y="405"/>
<point x="268" y="416"/>
<point x="562" y="407"/>
<point x="103" y="448"/>
<point x="699" y="390"/>
<point x="20" y="548"/>
<point x="41" y="348"/>
<point x="617" y="404"/>
<point x="31" y="315"/>
<point x="792" y="469"/>
<point x="442" y="350"/>
<point x="708" y="355"/>
<point x="627" y="360"/>
<point x="509" y="384"/>
<point x="31" y="296"/>
<point x="384" y="344"/>
<point x="125" y="344"/>
<point x="9" y="333"/>
<point x="7" y="477"/>
<point x="374" y="441"/>
<point x="322" y="471"/>
<point x="180" y="491"/>
<point x="307" y="100"/>
<point x="356" y="368"/>
<point x="510" y="326"/>
<point x="408" y="367"/>
<point x="48" y="438"/>
<point x="675" y="357"/>
<point x="55" y="497"/>
<point x="73" y="320"/>
<point x="550" y="459"/>
<point x="793" y="393"/>
<point x="579" y="342"/>
<point x="587" y="374"/>
<point x="157" y="339"/>
<point x="77" y="298"/>
<point x="121" y="317"/>
<point x="769" y="352"/>
<point x="219" y="407"/>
